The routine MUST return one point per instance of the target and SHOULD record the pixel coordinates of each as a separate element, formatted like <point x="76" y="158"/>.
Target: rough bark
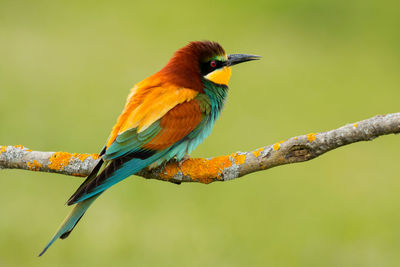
<point x="296" y="149"/>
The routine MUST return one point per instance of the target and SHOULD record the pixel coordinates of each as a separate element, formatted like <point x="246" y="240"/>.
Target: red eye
<point x="213" y="63"/>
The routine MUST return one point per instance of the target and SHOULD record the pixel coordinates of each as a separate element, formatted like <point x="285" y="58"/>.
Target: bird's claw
<point x="185" y="157"/>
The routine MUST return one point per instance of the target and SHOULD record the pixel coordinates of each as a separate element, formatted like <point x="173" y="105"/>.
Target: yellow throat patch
<point x="220" y="76"/>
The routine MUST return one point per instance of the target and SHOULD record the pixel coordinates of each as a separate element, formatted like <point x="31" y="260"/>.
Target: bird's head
<point x="202" y="60"/>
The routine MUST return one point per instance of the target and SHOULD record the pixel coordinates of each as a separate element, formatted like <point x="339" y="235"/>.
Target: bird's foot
<point x="186" y="157"/>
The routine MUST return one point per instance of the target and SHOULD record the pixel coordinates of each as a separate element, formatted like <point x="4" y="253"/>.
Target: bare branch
<point x="223" y="168"/>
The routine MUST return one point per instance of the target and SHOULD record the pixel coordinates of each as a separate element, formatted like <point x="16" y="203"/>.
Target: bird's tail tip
<point x="58" y="234"/>
<point x="45" y="249"/>
<point x="70" y="221"/>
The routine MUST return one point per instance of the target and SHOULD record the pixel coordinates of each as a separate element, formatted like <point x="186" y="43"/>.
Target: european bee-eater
<point x="166" y="116"/>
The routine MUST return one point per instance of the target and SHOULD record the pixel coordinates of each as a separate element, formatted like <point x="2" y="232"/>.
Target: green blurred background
<point x="66" y="68"/>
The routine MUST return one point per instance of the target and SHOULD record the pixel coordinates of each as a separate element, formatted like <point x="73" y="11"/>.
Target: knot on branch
<point x="298" y="153"/>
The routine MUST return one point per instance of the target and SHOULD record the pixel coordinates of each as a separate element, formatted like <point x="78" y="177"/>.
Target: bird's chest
<point x="213" y="102"/>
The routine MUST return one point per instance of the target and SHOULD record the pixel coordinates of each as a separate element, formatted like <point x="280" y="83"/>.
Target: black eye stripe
<point x="206" y="67"/>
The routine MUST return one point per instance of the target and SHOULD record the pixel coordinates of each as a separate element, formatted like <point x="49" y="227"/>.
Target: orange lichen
<point x="202" y="170"/>
<point x="170" y="170"/>
<point x="34" y="165"/>
<point x="94" y="156"/>
<point x="82" y="157"/>
<point x="239" y="158"/>
<point x="311" y="137"/>
<point x="355" y="125"/>
<point x="3" y="149"/>
<point x="257" y="152"/>
<point x="276" y="146"/>
<point x="59" y="160"/>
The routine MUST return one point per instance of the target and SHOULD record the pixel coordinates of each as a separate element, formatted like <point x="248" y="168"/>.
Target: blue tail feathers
<point x="70" y="221"/>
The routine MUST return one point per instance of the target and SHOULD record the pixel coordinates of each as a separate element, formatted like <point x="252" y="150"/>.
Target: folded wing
<point x="145" y="133"/>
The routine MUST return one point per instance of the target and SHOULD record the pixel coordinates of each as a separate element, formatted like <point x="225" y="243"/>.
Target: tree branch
<point x="223" y="168"/>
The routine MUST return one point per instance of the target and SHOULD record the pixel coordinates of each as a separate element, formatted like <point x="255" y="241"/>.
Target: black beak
<point x="234" y="59"/>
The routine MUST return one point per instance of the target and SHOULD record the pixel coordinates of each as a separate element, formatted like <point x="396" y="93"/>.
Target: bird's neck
<point x="217" y="94"/>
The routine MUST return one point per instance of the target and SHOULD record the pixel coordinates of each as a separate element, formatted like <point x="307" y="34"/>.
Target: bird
<point x="166" y="116"/>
